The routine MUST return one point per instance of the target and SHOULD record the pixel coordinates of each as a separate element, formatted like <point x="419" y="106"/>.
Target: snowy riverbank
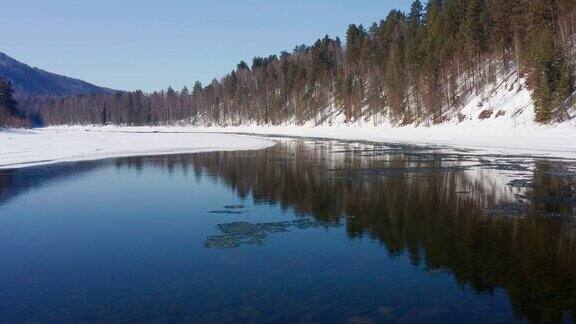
<point x="553" y="141"/>
<point x="23" y="148"/>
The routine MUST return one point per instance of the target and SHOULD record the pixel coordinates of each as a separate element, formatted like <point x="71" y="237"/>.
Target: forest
<point x="410" y="68"/>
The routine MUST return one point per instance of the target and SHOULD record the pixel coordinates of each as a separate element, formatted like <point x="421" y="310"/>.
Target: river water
<point x="305" y="231"/>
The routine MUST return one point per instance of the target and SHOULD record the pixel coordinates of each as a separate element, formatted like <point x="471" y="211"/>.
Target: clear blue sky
<point x="150" y="45"/>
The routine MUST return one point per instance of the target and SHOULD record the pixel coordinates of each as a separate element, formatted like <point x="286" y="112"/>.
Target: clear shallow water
<point x="307" y="231"/>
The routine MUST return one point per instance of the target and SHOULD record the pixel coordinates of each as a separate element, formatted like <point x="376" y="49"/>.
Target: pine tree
<point x="551" y="77"/>
<point x="8" y="106"/>
<point x="7" y="97"/>
<point x="242" y="65"/>
<point x="501" y="32"/>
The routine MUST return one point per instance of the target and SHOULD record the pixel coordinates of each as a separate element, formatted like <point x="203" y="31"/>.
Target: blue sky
<point x="150" y="45"/>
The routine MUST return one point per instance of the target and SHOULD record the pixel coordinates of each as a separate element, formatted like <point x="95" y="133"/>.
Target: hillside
<point x="29" y="80"/>
<point x="443" y="61"/>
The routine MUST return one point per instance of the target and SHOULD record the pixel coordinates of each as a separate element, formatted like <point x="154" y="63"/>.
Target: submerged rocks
<point x="237" y="234"/>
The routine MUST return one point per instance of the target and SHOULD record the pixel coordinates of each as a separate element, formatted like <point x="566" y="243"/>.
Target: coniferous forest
<point x="409" y="68"/>
<point x="10" y="113"/>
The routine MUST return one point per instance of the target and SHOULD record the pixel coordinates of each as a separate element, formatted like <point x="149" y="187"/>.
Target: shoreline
<point x="551" y="142"/>
<point x="557" y="141"/>
<point x="21" y="148"/>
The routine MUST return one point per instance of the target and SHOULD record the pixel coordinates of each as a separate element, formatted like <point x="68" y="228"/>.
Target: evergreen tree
<point x="7" y="101"/>
<point x="551" y="78"/>
<point x="242" y="65"/>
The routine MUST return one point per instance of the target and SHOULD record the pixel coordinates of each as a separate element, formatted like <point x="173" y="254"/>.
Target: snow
<point x="550" y="141"/>
<point x="505" y="103"/>
<point x="23" y="148"/>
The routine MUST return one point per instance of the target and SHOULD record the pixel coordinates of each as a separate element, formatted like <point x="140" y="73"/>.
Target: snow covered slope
<point x="506" y="102"/>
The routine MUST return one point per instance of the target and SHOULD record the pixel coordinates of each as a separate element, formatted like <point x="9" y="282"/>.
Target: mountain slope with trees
<point x="30" y="87"/>
<point x="419" y="67"/>
<point x="34" y="81"/>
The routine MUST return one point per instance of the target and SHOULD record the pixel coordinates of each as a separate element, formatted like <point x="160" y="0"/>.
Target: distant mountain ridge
<point x="34" y="81"/>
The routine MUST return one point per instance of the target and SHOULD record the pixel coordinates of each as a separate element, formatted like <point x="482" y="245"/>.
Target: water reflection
<point x="17" y="182"/>
<point x="489" y="221"/>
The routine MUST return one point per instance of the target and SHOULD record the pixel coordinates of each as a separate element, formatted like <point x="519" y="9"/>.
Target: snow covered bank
<point x="22" y="148"/>
<point x="559" y="141"/>
<point x="486" y="137"/>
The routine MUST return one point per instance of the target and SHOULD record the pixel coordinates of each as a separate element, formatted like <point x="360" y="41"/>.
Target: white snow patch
<point x="23" y="148"/>
<point x="506" y="103"/>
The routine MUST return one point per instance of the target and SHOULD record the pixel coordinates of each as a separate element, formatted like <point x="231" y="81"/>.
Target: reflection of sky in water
<point x="125" y="239"/>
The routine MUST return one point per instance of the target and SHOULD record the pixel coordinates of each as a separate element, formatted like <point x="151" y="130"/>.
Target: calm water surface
<point x="306" y="231"/>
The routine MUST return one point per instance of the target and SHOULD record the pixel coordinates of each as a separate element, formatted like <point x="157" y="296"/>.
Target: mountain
<point x="34" y="81"/>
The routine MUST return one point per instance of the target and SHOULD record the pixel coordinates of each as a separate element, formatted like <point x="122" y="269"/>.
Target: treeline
<point x="411" y="67"/>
